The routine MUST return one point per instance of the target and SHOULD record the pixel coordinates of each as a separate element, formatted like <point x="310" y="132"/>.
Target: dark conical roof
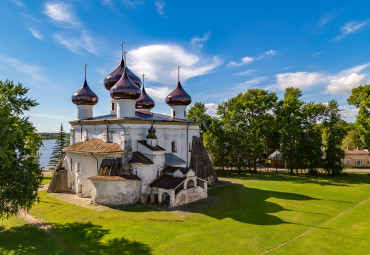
<point x="114" y="76"/>
<point x="178" y="96"/>
<point x="125" y="88"/>
<point x="85" y="96"/>
<point x="151" y="133"/>
<point x="144" y="101"/>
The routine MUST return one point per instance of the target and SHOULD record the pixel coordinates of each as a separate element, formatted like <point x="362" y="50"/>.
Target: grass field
<point x="254" y="214"/>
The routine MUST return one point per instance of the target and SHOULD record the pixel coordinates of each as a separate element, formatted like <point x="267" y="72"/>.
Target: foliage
<point x="20" y="173"/>
<point x="334" y="131"/>
<point x="353" y="140"/>
<point x="360" y="98"/>
<point x="60" y="144"/>
<point x="248" y="118"/>
<point x="51" y="136"/>
<point x="290" y="117"/>
<point x="198" y="113"/>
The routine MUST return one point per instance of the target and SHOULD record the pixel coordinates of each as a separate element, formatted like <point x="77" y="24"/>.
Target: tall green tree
<point x="20" y="173"/>
<point x="289" y="116"/>
<point x="334" y="131"/>
<point x="249" y="117"/>
<point x="198" y="113"/>
<point x="60" y="144"/>
<point x="360" y="98"/>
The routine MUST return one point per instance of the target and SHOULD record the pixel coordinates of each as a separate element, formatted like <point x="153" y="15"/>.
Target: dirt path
<point x="314" y="228"/>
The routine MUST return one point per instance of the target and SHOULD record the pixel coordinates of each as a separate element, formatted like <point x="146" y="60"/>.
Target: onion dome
<point x="85" y="96"/>
<point x="114" y="76"/>
<point x="178" y="96"/>
<point x="151" y="133"/>
<point x="144" y="101"/>
<point x="125" y="88"/>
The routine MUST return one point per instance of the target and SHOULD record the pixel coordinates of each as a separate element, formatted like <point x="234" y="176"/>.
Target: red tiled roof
<point x="94" y="146"/>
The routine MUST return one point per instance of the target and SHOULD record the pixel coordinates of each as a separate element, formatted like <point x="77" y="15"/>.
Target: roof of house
<point x="153" y="148"/>
<point x="139" y="115"/>
<point x="276" y="155"/>
<point x="114" y="178"/>
<point x="356" y="152"/>
<point x="94" y="146"/>
<point x="172" y="169"/>
<point x="168" y="182"/>
<point x="172" y="159"/>
<point x="139" y="158"/>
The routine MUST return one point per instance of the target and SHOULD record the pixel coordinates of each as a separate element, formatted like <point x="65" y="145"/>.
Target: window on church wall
<point x="185" y="113"/>
<point x="189" y="147"/>
<point x="112" y="106"/>
<point x="173" y="146"/>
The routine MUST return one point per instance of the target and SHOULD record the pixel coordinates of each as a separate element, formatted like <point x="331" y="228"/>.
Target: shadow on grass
<point x="320" y="179"/>
<point x="250" y="205"/>
<point x="71" y="238"/>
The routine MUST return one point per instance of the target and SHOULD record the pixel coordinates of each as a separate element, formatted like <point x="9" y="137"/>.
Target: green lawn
<point x="256" y="213"/>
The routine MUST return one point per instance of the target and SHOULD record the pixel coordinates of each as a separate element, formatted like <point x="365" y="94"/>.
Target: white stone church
<point x="132" y="155"/>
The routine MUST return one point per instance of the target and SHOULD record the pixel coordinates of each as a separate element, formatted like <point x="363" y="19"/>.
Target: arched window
<point x="190" y="184"/>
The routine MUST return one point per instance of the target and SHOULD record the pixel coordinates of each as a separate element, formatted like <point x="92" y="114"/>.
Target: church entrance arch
<point x="166" y="199"/>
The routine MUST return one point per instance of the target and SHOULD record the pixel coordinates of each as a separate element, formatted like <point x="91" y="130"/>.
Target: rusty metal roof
<point x="114" y="178"/>
<point x="139" y="158"/>
<point x="94" y="146"/>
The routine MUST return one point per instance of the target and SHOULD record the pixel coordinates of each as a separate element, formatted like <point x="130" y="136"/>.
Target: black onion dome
<point x="85" y="96"/>
<point x="151" y="133"/>
<point x="144" y="101"/>
<point x="125" y="88"/>
<point x="114" y="76"/>
<point x="178" y="96"/>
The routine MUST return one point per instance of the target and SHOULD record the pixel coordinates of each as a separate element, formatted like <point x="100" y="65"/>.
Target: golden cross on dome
<point x="122" y="43"/>
<point x="85" y="70"/>
<point x="178" y="73"/>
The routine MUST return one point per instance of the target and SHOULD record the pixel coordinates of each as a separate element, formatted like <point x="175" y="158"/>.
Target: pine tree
<point x="60" y="144"/>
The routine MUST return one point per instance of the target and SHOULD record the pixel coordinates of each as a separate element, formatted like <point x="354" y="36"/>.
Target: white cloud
<point x="270" y="53"/>
<point x="339" y="84"/>
<point x="36" y="33"/>
<point x="247" y="72"/>
<point x="344" y="85"/>
<point x="18" y="3"/>
<point x="248" y="60"/>
<point x="158" y="92"/>
<point x="108" y="2"/>
<point x="211" y="109"/>
<point x="244" y="61"/>
<point x="348" y="111"/>
<point x="132" y="4"/>
<point x="48" y="116"/>
<point x="349" y="28"/>
<point x="198" y="42"/>
<point x="159" y="63"/>
<point x="77" y="43"/>
<point x="61" y="13"/>
<point x="300" y="80"/>
<point x="74" y="36"/>
<point x="159" y="5"/>
<point x="33" y="71"/>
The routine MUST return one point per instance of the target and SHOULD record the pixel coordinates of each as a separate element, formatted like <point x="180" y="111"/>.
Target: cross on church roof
<point x="85" y="70"/>
<point x="122" y="43"/>
<point x="178" y="73"/>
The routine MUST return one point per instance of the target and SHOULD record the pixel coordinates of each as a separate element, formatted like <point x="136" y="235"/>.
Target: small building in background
<point x="276" y="159"/>
<point x="356" y="158"/>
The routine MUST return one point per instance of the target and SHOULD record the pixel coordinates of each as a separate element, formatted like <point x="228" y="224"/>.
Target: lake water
<point x="45" y="152"/>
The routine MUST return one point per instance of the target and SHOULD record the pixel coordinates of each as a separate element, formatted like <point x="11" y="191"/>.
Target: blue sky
<point x="223" y="47"/>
